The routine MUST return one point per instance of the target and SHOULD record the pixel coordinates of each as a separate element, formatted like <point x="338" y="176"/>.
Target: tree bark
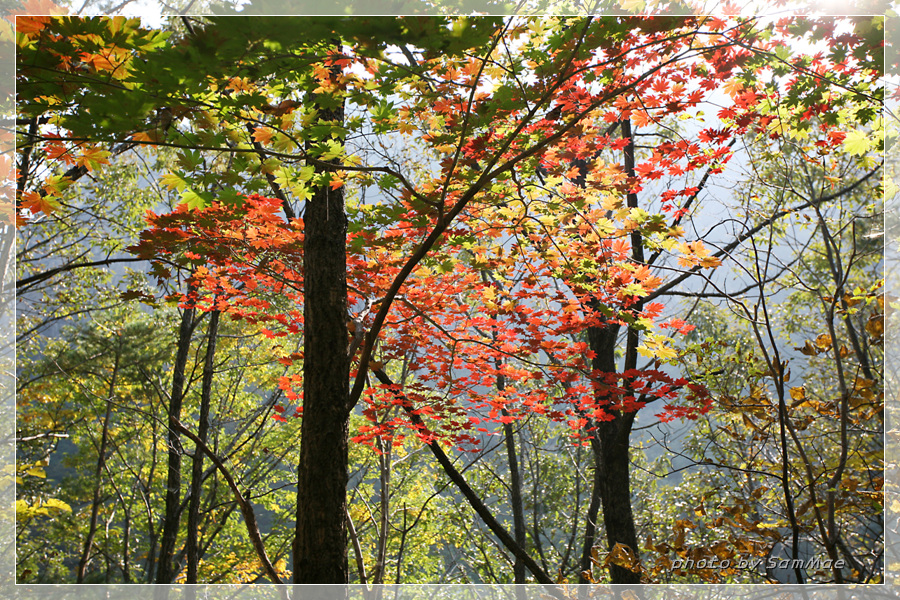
<point x="166" y="572"/>
<point x="615" y="491"/>
<point x="320" y="542"/>
<point x="611" y="443"/>
<point x="193" y="533"/>
<point x="98" y="474"/>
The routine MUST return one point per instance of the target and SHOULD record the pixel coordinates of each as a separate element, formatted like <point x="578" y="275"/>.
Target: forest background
<point x="682" y="534"/>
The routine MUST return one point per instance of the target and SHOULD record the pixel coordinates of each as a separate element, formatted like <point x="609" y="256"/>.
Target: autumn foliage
<point x="517" y="192"/>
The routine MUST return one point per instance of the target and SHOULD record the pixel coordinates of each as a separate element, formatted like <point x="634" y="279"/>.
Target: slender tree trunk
<point x="515" y="497"/>
<point x="320" y="542"/>
<point x="98" y="474"/>
<point x="474" y="500"/>
<point x="590" y="523"/>
<point x="515" y="478"/>
<point x="193" y="532"/>
<point x="165" y="572"/>
<point x="384" y="464"/>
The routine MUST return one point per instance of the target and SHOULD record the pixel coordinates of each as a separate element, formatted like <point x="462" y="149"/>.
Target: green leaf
<point x="196" y="200"/>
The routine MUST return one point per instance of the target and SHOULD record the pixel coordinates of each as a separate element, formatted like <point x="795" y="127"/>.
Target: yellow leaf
<point x="623" y="556"/>
<point x="857" y="142"/>
<point x="57" y="505"/>
<point x="875" y="326"/>
<point x="798" y="393"/>
<point x="851" y="300"/>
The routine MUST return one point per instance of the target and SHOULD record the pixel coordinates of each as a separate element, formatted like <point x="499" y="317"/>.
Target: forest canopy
<point x="450" y="299"/>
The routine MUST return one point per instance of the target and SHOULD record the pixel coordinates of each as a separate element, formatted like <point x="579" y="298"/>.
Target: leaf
<point x="858" y="142"/>
<point x="174" y="181"/>
<point x="823" y="341"/>
<point x="875" y="326"/>
<point x="623" y="556"/>
<point x="37" y="472"/>
<point x="39" y="203"/>
<point x="808" y="349"/>
<point x="263" y="135"/>
<point x="93" y="158"/>
<point x="798" y="394"/>
<point x="31" y="24"/>
<point x="54" y="504"/>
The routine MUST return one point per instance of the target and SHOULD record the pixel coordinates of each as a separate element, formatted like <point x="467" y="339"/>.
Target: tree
<point x="510" y="257"/>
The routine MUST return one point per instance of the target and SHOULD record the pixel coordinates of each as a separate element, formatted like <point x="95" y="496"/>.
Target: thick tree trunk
<point x="612" y="482"/>
<point x="611" y="445"/>
<point x="320" y="542"/>
<point x="611" y="451"/>
<point x="615" y="491"/>
<point x="611" y="486"/>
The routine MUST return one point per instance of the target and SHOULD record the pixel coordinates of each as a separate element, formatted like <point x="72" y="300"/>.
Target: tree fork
<point x="474" y="501"/>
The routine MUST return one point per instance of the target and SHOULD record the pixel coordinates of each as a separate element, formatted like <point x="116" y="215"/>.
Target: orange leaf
<point x="263" y="135"/>
<point x="798" y="393"/>
<point x="37" y="203"/>
<point x="56" y="151"/>
<point x="29" y="25"/>
<point x="144" y="136"/>
<point x="641" y="118"/>
<point x="92" y="158"/>
<point x="98" y="61"/>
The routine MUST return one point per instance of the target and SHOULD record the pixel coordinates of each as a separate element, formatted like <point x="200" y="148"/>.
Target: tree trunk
<point x="615" y="491"/>
<point x="613" y="465"/>
<point x="590" y="523"/>
<point x="611" y="478"/>
<point x="98" y="474"/>
<point x="610" y="446"/>
<point x="166" y="572"/>
<point x="193" y="542"/>
<point x="320" y="542"/>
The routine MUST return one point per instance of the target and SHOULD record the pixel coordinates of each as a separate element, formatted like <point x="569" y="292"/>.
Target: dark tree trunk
<point x="590" y="524"/>
<point x="612" y="481"/>
<point x="320" y="542"/>
<point x="166" y="571"/>
<point x="515" y="498"/>
<point x="615" y="491"/>
<point x="193" y="553"/>
<point x="98" y="474"/>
